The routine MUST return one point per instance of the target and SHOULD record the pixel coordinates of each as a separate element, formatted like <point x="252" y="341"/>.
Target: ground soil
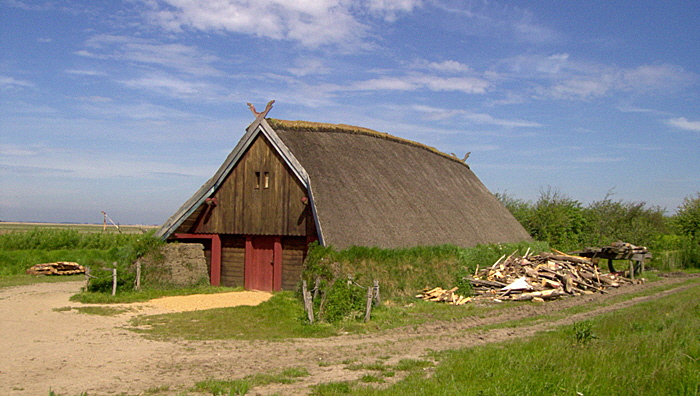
<point x="45" y="346"/>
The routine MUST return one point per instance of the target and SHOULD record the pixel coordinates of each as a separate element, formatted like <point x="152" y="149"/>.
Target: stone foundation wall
<point x="180" y="264"/>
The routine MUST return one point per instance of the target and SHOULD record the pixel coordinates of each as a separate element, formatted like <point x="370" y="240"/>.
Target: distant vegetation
<point x="19" y="250"/>
<point x="567" y="225"/>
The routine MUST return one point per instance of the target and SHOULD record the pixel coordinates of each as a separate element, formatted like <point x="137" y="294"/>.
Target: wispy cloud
<point x="685" y="124"/>
<point x="171" y="86"/>
<point x="473" y="117"/>
<point x="415" y="82"/>
<point x="171" y="56"/>
<point x="7" y="82"/>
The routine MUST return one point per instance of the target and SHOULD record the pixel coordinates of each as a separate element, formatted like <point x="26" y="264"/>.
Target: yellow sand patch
<point x="196" y="302"/>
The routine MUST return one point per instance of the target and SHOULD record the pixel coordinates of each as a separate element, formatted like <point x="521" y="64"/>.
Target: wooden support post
<point x="317" y="285"/>
<point x="610" y="265"/>
<point x="87" y="278"/>
<point x="114" y="279"/>
<point x="308" y="304"/>
<point x="377" y="298"/>
<point x="137" y="286"/>
<point x="368" y="309"/>
<point x="631" y="269"/>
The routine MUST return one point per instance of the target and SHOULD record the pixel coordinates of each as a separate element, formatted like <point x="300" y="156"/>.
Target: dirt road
<point x="43" y="348"/>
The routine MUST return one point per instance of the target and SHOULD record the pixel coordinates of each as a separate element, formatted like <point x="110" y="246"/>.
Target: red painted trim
<point x="215" y="271"/>
<point x="215" y="276"/>
<point x="277" y="266"/>
<point x="248" y="266"/>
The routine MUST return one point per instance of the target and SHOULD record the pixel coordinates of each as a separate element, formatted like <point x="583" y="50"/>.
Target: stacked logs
<point x="438" y="294"/>
<point x="542" y="277"/>
<point x="57" y="268"/>
<point x="546" y="276"/>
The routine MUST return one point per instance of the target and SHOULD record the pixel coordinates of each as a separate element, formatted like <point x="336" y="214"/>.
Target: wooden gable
<point x="260" y="196"/>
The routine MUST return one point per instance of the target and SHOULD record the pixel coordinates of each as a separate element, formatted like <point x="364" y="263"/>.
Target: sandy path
<point x="69" y="352"/>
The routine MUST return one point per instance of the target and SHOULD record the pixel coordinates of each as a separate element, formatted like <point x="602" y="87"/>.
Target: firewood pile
<point x="546" y="276"/>
<point x="438" y="294"/>
<point x="57" y="268"/>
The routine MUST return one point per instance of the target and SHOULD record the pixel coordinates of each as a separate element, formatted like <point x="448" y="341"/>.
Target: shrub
<point x="687" y="218"/>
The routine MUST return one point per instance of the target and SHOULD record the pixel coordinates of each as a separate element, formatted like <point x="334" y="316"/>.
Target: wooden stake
<point x="377" y="298"/>
<point x="137" y="286"/>
<point x="308" y="305"/>
<point x="114" y="279"/>
<point x="368" y="309"/>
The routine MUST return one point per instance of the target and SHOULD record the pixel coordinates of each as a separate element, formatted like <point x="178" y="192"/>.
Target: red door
<point x="263" y="263"/>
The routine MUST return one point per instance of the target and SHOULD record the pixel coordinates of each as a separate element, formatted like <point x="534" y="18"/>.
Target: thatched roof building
<point x="288" y="183"/>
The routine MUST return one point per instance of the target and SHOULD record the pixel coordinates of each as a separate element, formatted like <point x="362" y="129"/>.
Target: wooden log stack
<point x="438" y="294"/>
<point x="542" y="277"/>
<point x="57" y="268"/>
<point x="545" y="276"/>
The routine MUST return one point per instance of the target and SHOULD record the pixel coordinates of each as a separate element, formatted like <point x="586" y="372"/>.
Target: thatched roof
<point x="369" y="188"/>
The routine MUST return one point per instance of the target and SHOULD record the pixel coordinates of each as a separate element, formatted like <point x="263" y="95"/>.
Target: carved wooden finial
<point x="261" y="114"/>
<point x="462" y="159"/>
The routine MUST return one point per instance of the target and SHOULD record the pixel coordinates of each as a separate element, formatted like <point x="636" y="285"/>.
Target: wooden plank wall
<point x="251" y="203"/>
<point x="232" y="260"/>
<point x="293" y="254"/>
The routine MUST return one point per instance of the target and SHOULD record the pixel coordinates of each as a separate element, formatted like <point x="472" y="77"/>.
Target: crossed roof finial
<point x="260" y="114"/>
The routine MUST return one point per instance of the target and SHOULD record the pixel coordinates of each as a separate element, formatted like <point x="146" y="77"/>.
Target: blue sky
<point x="129" y="106"/>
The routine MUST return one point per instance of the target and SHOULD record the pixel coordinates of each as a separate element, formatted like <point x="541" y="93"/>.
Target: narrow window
<point x="257" y="179"/>
<point x="266" y="180"/>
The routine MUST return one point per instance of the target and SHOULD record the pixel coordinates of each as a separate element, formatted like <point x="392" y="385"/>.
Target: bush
<point x="687" y="218"/>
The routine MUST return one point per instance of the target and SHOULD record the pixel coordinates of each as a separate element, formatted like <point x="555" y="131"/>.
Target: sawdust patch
<point x="197" y="302"/>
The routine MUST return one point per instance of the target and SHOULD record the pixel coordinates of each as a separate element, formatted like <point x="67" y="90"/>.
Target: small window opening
<point x="266" y="180"/>
<point x="257" y="179"/>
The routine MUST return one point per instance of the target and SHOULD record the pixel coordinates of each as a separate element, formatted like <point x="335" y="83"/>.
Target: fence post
<point x="308" y="305"/>
<point x="137" y="286"/>
<point x="377" y="298"/>
<point x="114" y="279"/>
<point x="368" y="309"/>
<point x="87" y="278"/>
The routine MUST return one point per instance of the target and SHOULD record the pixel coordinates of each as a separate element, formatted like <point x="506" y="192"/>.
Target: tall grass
<point x="19" y="250"/>
<point x="403" y="272"/>
<point x="65" y="238"/>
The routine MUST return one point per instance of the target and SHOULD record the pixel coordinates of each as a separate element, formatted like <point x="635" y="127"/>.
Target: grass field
<point x="6" y="227"/>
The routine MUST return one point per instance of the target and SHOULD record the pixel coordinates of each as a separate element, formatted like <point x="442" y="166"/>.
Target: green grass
<point x="101" y="311"/>
<point x="242" y="386"/>
<point x="648" y="349"/>
<point x="278" y="318"/>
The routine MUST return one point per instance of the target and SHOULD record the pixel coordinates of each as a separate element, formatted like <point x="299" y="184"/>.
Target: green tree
<point x="632" y="222"/>
<point x="687" y="218"/>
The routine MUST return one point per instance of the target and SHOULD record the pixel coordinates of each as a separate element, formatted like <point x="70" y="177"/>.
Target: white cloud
<point x="684" y="123"/>
<point x="389" y="9"/>
<point x="449" y="66"/>
<point x="310" y="22"/>
<point x="86" y="72"/>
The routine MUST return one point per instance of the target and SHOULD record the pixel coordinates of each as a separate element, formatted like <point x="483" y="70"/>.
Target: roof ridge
<point x="310" y="126"/>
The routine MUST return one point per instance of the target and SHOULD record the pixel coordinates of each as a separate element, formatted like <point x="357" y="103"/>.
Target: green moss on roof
<point x="307" y="126"/>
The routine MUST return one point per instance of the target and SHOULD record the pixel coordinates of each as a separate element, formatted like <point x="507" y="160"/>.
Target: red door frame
<point x="215" y="265"/>
<point x="276" y="259"/>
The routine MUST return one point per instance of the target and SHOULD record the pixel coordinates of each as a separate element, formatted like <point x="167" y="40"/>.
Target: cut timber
<point x="57" y="268"/>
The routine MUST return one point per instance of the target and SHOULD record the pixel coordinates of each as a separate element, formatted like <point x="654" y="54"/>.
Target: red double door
<point x="263" y="263"/>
